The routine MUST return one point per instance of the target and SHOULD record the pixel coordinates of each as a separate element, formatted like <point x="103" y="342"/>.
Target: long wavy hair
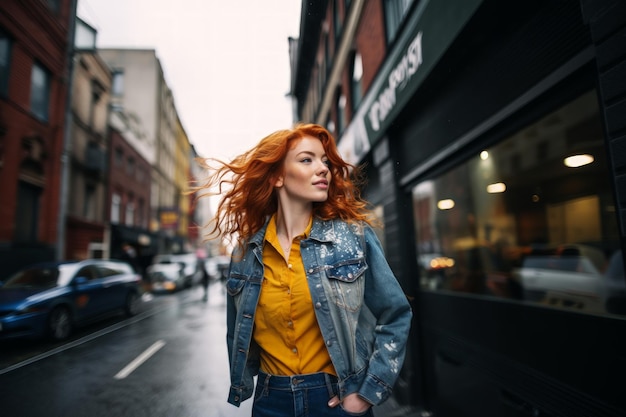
<point x="246" y="185"/>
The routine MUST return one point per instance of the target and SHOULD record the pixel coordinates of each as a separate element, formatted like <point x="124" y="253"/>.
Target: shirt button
<point x="294" y="350"/>
<point x="290" y="266"/>
<point x="290" y="324"/>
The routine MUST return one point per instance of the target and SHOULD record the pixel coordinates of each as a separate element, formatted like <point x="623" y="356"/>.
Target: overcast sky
<point x="226" y="62"/>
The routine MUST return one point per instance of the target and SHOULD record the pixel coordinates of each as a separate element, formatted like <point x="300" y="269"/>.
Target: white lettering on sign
<point x="398" y="79"/>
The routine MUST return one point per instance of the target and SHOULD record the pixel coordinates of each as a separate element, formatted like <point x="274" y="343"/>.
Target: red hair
<point x="246" y="184"/>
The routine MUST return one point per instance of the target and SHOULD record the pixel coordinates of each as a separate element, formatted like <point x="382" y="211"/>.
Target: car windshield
<point x="39" y="277"/>
<point x="42" y="276"/>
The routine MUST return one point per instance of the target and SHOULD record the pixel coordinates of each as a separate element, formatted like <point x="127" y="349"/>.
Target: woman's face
<point x="306" y="176"/>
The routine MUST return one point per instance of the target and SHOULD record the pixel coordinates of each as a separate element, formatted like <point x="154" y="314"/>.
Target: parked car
<point x="570" y="276"/>
<point x="50" y="299"/>
<point x="166" y="277"/>
<point x="188" y="262"/>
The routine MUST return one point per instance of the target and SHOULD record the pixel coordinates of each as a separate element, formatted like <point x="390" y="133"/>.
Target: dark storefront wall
<point x="503" y="356"/>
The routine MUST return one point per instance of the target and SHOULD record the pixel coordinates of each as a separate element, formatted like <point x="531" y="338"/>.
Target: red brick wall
<point x="124" y="185"/>
<point x="38" y="35"/>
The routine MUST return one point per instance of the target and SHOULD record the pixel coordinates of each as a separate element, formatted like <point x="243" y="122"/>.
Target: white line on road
<point x="128" y="369"/>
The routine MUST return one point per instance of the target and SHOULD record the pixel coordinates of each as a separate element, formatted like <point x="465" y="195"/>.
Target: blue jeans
<point x="297" y="396"/>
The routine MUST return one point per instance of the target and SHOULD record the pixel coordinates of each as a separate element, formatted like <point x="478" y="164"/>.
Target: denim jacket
<point x="361" y="309"/>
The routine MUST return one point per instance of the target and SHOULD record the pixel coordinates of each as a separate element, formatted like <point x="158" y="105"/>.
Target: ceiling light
<point x="497" y="187"/>
<point x="576" y="161"/>
<point x="446" y="204"/>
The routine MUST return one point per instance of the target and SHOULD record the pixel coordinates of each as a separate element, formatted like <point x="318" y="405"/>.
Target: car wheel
<point x="132" y="304"/>
<point x="59" y="323"/>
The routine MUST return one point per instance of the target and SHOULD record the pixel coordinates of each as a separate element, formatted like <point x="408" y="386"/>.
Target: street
<point x="170" y="360"/>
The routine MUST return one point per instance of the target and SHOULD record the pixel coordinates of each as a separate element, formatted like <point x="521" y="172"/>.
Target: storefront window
<point x="531" y="218"/>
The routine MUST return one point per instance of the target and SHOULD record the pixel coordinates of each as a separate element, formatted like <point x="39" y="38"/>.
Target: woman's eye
<point x="305" y="160"/>
<point x="326" y="162"/>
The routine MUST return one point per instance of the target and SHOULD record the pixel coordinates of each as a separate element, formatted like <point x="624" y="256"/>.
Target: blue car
<point x="50" y="299"/>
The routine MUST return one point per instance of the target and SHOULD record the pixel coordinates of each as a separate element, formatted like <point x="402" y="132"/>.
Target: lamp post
<point x="81" y="38"/>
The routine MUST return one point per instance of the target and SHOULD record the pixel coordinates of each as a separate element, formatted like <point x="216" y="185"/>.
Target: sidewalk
<point x="391" y="408"/>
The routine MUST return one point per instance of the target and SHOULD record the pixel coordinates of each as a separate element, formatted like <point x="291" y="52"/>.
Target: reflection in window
<point x="5" y="54"/>
<point x="117" y="84"/>
<point x="39" y="92"/>
<point x="116" y="203"/>
<point x="356" y="83"/>
<point x="521" y="221"/>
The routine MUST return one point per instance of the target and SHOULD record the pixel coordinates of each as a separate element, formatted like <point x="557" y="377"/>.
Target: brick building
<point x="34" y="39"/>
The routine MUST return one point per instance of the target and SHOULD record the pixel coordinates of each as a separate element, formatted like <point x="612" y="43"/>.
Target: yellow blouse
<point x="285" y="326"/>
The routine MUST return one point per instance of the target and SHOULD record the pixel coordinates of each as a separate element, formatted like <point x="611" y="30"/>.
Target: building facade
<point x="86" y="213"/>
<point x="34" y="72"/>
<point x="140" y="92"/>
<point x="492" y="138"/>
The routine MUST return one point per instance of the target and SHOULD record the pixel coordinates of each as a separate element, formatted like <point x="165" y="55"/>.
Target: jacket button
<point x="328" y="343"/>
<point x="318" y="305"/>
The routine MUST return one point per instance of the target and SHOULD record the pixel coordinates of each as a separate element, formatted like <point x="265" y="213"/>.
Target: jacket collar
<point x="321" y="230"/>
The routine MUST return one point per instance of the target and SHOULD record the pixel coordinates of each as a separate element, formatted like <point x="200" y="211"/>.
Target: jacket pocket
<point x="235" y="284"/>
<point x="346" y="279"/>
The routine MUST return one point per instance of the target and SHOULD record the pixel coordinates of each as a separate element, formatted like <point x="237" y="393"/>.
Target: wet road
<point x="170" y="360"/>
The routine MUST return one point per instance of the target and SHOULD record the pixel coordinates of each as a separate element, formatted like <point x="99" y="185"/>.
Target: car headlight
<point x="30" y="310"/>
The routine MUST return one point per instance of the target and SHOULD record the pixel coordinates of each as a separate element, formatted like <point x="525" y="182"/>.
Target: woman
<point x="313" y="308"/>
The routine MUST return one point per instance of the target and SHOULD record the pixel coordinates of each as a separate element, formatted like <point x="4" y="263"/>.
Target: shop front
<point x="493" y="148"/>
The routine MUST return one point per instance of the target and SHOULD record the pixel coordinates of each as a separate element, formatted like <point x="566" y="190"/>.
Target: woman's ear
<point x="278" y="182"/>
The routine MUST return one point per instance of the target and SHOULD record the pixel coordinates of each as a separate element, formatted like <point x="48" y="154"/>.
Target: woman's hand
<point x="352" y="403"/>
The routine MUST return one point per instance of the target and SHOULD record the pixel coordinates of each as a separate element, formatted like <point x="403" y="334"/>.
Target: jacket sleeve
<point x="386" y="300"/>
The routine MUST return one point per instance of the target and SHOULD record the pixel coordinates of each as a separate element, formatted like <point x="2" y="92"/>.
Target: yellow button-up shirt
<point x="285" y="326"/>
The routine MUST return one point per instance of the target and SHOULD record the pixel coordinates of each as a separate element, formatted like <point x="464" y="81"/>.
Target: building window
<point x="89" y="205"/>
<point x="130" y="166"/>
<point x="116" y="203"/>
<point x="39" y="92"/>
<point x="27" y="213"/>
<point x="337" y="22"/>
<point x="119" y="157"/>
<point x="341" y="113"/>
<point x="117" y="85"/>
<point x="141" y="215"/>
<point x="129" y="216"/>
<point x="356" y="84"/>
<point x="5" y="63"/>
<point x="541" y="231"/>
<point x="53" y="5"/>
<point x="395" y="12"/>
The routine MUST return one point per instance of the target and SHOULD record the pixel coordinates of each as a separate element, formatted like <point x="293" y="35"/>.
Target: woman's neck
<point x="292" y="223"/>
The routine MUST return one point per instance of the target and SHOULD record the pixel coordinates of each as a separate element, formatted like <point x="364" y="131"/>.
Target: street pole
<point x="66" y="152"/>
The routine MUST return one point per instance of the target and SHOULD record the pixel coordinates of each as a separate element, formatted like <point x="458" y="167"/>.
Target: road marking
<point x="83" y="340"/>
<point x="128" y="369"/>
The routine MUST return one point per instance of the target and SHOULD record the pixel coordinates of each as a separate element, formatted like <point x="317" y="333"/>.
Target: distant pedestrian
<point x="313" y="308"/>
<point x="129" y="254"/>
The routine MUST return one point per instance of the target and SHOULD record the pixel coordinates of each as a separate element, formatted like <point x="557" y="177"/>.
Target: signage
<point x="431" y="29"/>
<point x="168" y="217"/>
